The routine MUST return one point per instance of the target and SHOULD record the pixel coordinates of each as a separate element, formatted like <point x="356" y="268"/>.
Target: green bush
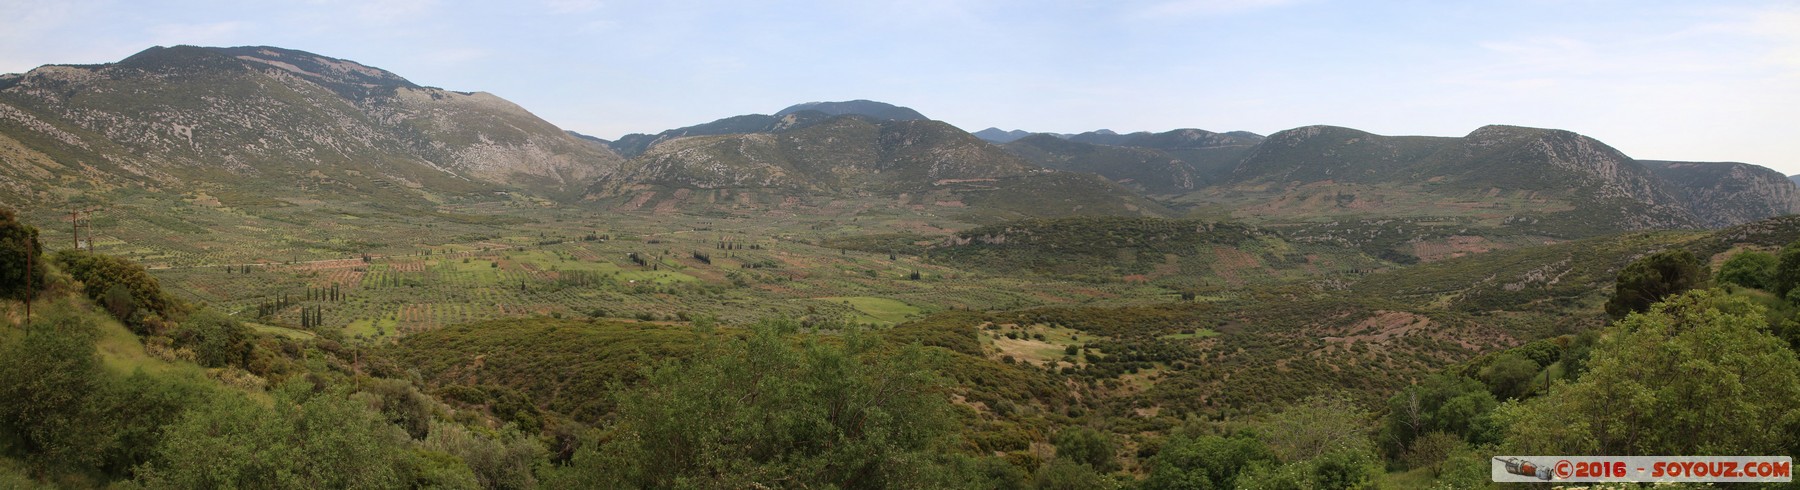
<point x="217" y="340"/>
<point x="1089" y="447"/>
<point x="767" y="411"/>
<point x="1698" y="374"/>
<point x="308" y="439"/>
<point x="1204" y="462"/>
<point x="1751" y="269"/>
<point x="123" y="287"/>
<point x="63" y="413"/>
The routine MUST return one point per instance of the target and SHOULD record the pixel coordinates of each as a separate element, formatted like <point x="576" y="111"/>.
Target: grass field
<point x="124" y="352"/>
<point x="878" y="310"/>
<point x="282" y="331"/>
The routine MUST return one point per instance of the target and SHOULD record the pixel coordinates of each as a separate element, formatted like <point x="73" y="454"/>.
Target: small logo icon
<point x="1565" y="469"/>
<point x="1525" y="468"/>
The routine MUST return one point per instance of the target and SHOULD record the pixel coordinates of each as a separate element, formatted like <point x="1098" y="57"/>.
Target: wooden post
<point x="1546" y="381"/>
<point x="30" y="258"/>
<point x="76" y="225"/>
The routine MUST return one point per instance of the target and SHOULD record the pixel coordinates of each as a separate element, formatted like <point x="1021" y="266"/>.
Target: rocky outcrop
<point x="1729" y="193"/>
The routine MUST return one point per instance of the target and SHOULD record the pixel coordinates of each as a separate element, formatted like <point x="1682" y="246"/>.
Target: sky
<point x="1698" y="81"/>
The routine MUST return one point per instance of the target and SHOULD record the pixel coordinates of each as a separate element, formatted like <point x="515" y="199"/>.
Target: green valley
<point x="263" y="268"/>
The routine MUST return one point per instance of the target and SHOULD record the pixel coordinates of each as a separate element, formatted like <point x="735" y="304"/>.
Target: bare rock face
<point x="1599" y="175"/>
<point x="1730" y="193"/>
<point x="276" y="115"/>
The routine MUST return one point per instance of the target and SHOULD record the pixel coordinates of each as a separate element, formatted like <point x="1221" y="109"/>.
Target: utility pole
<point x="77" y="227"/>
<point x="30" y="259"/>
<point x="87" y="221"/>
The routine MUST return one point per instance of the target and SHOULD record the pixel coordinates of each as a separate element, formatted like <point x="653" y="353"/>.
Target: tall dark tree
<point x="1654" y="277"/>
<point x="1787" y="270"/>
<point x="21" y="256"/>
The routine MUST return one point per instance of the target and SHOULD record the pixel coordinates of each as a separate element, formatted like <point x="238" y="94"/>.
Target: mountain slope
<point x="1729" y="193"/>
<point x="870" y="108"/>
<point x="1001" y="136"/>
<point x="794" y="116"/>
<point x="1559" y="182"/>
<point x="635" y="144"/>
<point x="1150" y="170"/>
<point x="842" y="153"/>
<point x="283" y="120"/>
<point x="1178" y="139"/>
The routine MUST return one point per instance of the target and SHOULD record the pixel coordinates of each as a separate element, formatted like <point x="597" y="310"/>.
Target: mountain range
<point x="279" y="122"/>
<point x="283" y="119"/>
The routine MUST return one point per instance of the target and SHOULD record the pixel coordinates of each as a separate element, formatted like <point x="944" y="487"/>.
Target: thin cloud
<point x="1782" y="29"/>
<point x="197" y="34"/>
<point x="1205" y="8"/>
<point x="456" y="56"/>
<point x="392" y="11"/>
<point x="572" y="6"/>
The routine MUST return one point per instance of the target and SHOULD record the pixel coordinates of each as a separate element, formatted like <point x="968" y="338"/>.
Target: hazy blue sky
<point x="1714" y="80"/>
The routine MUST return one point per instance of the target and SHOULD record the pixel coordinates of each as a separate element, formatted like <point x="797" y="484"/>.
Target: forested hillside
<point x="1410" y="377"/>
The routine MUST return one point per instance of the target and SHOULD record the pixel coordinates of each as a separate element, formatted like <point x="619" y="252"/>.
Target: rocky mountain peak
<point x="282" y="115"/>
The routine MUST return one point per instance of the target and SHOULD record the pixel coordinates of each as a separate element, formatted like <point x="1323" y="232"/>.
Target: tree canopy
<point x="1698" y="374"/>
<point x="102" y="274"/>
<point x="767" y="411"/>
<point x="1652" y="278"/>
<point x="19" y="242"/>
<point x="1751" y="269"/>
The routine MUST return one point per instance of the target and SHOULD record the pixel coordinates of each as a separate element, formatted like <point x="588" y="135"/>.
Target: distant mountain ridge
<point x="872" y="109"/>
<point x="838" y="153"/>
<point x="266" y="123"/>
<point x="288" y="120"/>
<point x="1171" y="162"/>
<point x="1001" y="136"/>
<point x="1552" y="175"/>
<point x="793" y="116"/>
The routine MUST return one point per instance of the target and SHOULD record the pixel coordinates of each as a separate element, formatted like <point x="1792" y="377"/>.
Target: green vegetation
<point x="1751" y="269"/>
<point x="307" y="439"/>
<point x="1650" y="279"/>
<point x="844" y="301"/>
<point x="1697" y="374"/>
<point x="1787" y="271"/>
<point x="127" y="291"/>
<point x="1032" y="352"/>
<point x="879" y="310"/>
<point x="764" y="411"/>
<point x="21" y="258"/>
<point x="510" y="366"/>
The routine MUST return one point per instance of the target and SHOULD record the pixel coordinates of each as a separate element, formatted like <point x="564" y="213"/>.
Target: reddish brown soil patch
<point x="1382" y="327"/>
<point x="1452" y="247"/>
<point x="1231" y="263"/>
